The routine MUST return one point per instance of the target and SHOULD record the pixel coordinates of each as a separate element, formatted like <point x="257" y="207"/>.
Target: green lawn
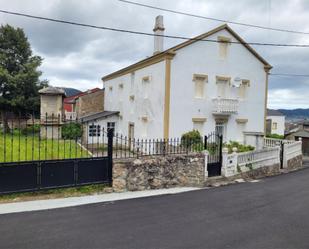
<point x="17" y="147"/>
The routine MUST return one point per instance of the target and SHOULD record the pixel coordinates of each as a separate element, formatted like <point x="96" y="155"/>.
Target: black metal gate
<point x="213" y="144"/>
<point x="50" y="174"/>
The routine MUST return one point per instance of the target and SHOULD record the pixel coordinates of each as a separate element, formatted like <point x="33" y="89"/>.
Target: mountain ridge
<point x="298" y="113"/>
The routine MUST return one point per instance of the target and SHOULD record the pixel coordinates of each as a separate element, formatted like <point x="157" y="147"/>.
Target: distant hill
<point x="70" y="91"/>
<point x="295" y="114"/>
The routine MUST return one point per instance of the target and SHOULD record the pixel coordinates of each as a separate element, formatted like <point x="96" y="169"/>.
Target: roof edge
<point x="141" y="64"/>
<point x="171" y="52"/>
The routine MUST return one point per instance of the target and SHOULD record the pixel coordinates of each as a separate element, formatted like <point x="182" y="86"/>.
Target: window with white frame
<point x="274" y="125"/>
<point x="242" y="91"/>
<point x="199" y="85"/>
<point x="224" y="43"/>
<point x="94" y="130"/>
<point x="222" y="86"/>
<point x="144" y="126"/>
<point x="145" y="86"/>
<point x="198" y="126"/>
<point x="110" y="125"/>
<point x="221" y="129"/>
<point x="132" y="80"/>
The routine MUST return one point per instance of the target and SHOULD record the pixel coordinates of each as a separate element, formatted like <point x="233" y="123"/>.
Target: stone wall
<point x="159" y="172"/>
<point x="295" y="162"/>
<point x="90" y="103"/>
<point x="260" y="172"/>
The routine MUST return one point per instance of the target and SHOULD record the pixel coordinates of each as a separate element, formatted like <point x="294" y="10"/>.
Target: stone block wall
<point x="90" y="103"/>
<point x="159" y="172"/>
<point x="295" y="162"/>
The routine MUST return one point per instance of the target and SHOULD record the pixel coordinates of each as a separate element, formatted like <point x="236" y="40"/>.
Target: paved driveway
<point x="273" y="213"/>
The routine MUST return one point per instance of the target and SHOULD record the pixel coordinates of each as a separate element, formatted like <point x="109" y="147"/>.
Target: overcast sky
<point x="79" y="57"/>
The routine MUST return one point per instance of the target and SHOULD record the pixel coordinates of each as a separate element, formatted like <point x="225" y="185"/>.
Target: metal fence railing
<point x="126" y="147"/>
<point x="54" y="137"/>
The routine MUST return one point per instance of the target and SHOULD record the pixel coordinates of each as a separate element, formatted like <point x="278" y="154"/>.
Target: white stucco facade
<point x="167" y="100"/>
<point x="203" y="58"/>
<point x="139" y="97"/>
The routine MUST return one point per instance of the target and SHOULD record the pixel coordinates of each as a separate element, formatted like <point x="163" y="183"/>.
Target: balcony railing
<point x="225" y="106"/>
<point x="70" y="115"/>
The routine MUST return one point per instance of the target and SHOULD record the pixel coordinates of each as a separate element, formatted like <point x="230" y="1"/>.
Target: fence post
<point x="110" y="136"/>
<point x="206" y="154"/>
<point x="224" y="161"/>
<point x="220" y="147"/>
<point x="282" y="157"/>
<point x="205" y="142"/>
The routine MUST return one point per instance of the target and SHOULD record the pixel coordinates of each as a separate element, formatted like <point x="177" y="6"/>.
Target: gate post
<point x="110" y="136"/>
<point x="205" y="142"/>
<point x="220" y="148"/>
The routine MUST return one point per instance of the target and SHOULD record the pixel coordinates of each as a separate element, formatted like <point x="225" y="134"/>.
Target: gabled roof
<point x="301" y="133"/>
<point x="172" y="51"/>
<point x="98" y="115"/>
<point x="272" y="112"/>
<point x="51" y="90"/>
<point x="71" y="99"/>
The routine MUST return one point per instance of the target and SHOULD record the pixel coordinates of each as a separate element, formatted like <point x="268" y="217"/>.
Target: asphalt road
<point x="273" y="213"/>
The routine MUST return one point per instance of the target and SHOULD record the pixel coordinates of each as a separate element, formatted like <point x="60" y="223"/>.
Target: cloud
<point x="79" y="57"/>
<point x="288" y="99"/>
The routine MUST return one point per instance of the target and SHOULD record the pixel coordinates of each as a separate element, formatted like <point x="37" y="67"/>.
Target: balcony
<point x="70" y="115"/>
<point x="225" y="106"/>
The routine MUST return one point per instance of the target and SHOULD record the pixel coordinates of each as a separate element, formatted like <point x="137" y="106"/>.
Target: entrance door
<point x="131" y="131"/>
<point x="221" y="129"/>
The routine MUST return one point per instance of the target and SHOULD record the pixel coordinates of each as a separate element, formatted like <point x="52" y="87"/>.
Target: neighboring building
<point x="275" y="122"/>
<point x="84" y="103"/>
<point x="304" y="135"/>
<point x="51" y="111"/>
<point x="199" y="85"/>
<point x="95" y="124"/>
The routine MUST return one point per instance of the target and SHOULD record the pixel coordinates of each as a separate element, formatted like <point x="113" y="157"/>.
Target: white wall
<point x="103" y="126"/>
<point x="203" y="58"/>
<point x="197" y="58"/>
<point x="148" y="101"/>
<point x="280" y="120"/>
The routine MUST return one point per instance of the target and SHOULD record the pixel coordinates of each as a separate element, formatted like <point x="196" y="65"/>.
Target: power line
<point x="214" y="19"/>
<point x="147" y="34"/>
<point x="289" y="75"/>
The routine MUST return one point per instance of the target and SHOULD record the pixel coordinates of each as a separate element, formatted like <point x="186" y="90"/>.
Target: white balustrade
<point x="292" y="150"/>
<point x="225" y="106"/>
<point x="274" y="142"/>
<point x="70" y="115"/>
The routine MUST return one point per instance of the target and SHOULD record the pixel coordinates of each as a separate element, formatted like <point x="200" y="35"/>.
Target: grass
<point x="55" y="193"/>
<point x="18" y="147"/>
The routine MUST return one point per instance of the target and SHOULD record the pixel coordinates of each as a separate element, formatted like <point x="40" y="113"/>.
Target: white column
<point x="206" y="153"/>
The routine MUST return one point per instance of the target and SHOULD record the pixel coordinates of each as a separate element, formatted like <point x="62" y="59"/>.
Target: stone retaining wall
<point x="295" y="162"/>
<point x="269" y="170"/>
<point x="159" y="172"/>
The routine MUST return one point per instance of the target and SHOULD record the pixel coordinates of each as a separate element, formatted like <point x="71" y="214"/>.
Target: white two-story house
<point x="198" y="84"/>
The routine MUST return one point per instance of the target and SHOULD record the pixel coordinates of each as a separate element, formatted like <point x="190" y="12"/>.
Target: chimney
<point x="158" y="30"/>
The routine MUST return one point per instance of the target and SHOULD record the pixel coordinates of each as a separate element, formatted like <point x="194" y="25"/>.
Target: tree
<point x="19" y="74"/>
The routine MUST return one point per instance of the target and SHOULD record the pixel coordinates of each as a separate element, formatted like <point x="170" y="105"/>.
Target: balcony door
<point x="222" y="88"/>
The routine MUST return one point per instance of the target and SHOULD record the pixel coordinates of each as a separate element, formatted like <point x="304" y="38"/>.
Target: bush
<point x="72" y="131"/>
<point x="31" y="129"/>
<point x="192" y="138"/>
<point x="276" y="136"/>
<point x="240" y="147"/>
